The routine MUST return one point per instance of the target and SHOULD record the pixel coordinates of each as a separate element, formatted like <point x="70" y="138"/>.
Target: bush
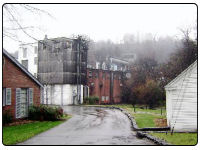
<point x="149" y="94"/>
<point x="7" y="117"/>
<point x="91" y="100"/>
<point x="43" y="112"/>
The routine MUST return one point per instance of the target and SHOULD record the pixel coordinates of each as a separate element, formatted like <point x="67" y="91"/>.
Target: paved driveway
<point x="90" y="126"/>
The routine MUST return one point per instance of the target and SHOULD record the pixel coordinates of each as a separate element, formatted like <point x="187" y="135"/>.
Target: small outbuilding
<point x="20" y="88"/>
<point x="181" y="101"/>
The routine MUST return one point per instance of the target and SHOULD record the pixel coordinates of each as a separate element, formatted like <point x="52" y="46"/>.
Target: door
<point x="24" y="103"/>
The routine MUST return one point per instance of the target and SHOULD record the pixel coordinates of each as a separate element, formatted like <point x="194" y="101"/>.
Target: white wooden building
<point x="181" y="101"/>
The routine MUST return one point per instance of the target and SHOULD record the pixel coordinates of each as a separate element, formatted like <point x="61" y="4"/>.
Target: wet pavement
<point x="90" y="126"/>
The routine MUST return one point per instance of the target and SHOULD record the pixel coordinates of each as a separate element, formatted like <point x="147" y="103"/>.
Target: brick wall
<point x="14" y="78"/>
<point x="99" y="85"/>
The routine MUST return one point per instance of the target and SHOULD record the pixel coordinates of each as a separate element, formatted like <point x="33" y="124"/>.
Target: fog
<point x="150" y="46"/>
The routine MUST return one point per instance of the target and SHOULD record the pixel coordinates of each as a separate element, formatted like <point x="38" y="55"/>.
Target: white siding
<point x="181" y="101"/>
<point x="31" y="55"/>
<point x="61" y="94"/>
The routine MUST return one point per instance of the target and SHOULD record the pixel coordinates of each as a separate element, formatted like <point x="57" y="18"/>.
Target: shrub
<point x="86" y="100"/>
<point x="148" y="94"/>
<point x="7" y="117"/>
<point x="43" y="112"/>
<point x="91" y="100"/>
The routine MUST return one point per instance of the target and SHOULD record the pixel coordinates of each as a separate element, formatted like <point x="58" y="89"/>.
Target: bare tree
<point x="12" y="21"/>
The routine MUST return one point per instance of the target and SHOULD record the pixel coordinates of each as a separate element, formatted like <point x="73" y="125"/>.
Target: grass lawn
<point x="146" y="120"/>
<point x="178" y="138"/>
<point x="20" y="133"/>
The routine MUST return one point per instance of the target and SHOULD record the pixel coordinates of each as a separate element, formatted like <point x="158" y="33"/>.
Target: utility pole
<point x="79" y="47"/>
<point x="78" y="79"/>
<point x="77" y="66"/>
<point x="111" y="83"/>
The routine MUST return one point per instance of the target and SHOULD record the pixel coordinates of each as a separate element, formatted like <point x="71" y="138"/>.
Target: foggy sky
<point x="103" y="22"/>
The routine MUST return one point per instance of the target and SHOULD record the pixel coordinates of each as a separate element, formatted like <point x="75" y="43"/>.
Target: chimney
<point x="45" y="37"/>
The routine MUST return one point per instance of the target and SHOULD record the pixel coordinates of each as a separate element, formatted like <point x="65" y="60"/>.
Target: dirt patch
<point x="159" y="122"/>
<point x="20" y="122"/>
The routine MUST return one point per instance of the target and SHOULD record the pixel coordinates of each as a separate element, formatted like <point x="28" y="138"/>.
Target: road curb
<point x="140" y="134"/>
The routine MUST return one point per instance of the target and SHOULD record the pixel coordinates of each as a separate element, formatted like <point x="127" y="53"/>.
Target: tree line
<point x="159" y="60"/>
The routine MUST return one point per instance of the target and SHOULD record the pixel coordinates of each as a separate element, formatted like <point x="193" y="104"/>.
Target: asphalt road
<point x="90" y="126"/>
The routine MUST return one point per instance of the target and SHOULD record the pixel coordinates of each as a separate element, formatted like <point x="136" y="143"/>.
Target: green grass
<point x="20" y="133"/>
<point x="178" y="138"/>
<point x="146" y="120"/>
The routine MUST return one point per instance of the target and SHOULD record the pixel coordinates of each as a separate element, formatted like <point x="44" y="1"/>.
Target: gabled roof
<point x="170" y="84"/>
<point x="21" y="67"/>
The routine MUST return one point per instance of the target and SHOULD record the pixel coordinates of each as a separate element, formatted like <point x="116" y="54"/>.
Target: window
<point x="44" y="46"/>
<point x="6" y="96"/>
<point x="107" y="97"/>
<point x="120" y="77"/>
<point x="35" y="50"/>
<point x="24" y="52"/>
<point x="35" y="75"/>
<point x="25" y="63"/>
<point x="24" y="98"/>
<point x="97" y="75"/>
<point x="102" y="98"/>
<point x="90" y="74"/>
<point x="66" y="45"/>
<point x="35" y="60"/>
<point x="108" y="76"/>
<point x="57" y="45"/>
<point x="103" y="75"/>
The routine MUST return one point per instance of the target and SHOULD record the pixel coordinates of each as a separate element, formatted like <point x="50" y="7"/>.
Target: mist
<point x="130" y="45"/>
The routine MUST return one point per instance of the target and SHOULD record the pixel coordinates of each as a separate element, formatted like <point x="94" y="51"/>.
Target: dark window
<point x="35" y="74"/>
<point x="25" y="63"/>
<point x="44" y="46"/>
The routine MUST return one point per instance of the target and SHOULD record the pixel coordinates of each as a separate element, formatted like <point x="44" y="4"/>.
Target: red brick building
<point x="20" y="88"/>
<point x="105" y="84"/>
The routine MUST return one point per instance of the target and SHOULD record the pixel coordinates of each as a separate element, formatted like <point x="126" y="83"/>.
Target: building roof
<point x="118" y="60"/>
<point x="57" y="39"/>
<point x="21" y="67"/>
<point x="182" y="74"/>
